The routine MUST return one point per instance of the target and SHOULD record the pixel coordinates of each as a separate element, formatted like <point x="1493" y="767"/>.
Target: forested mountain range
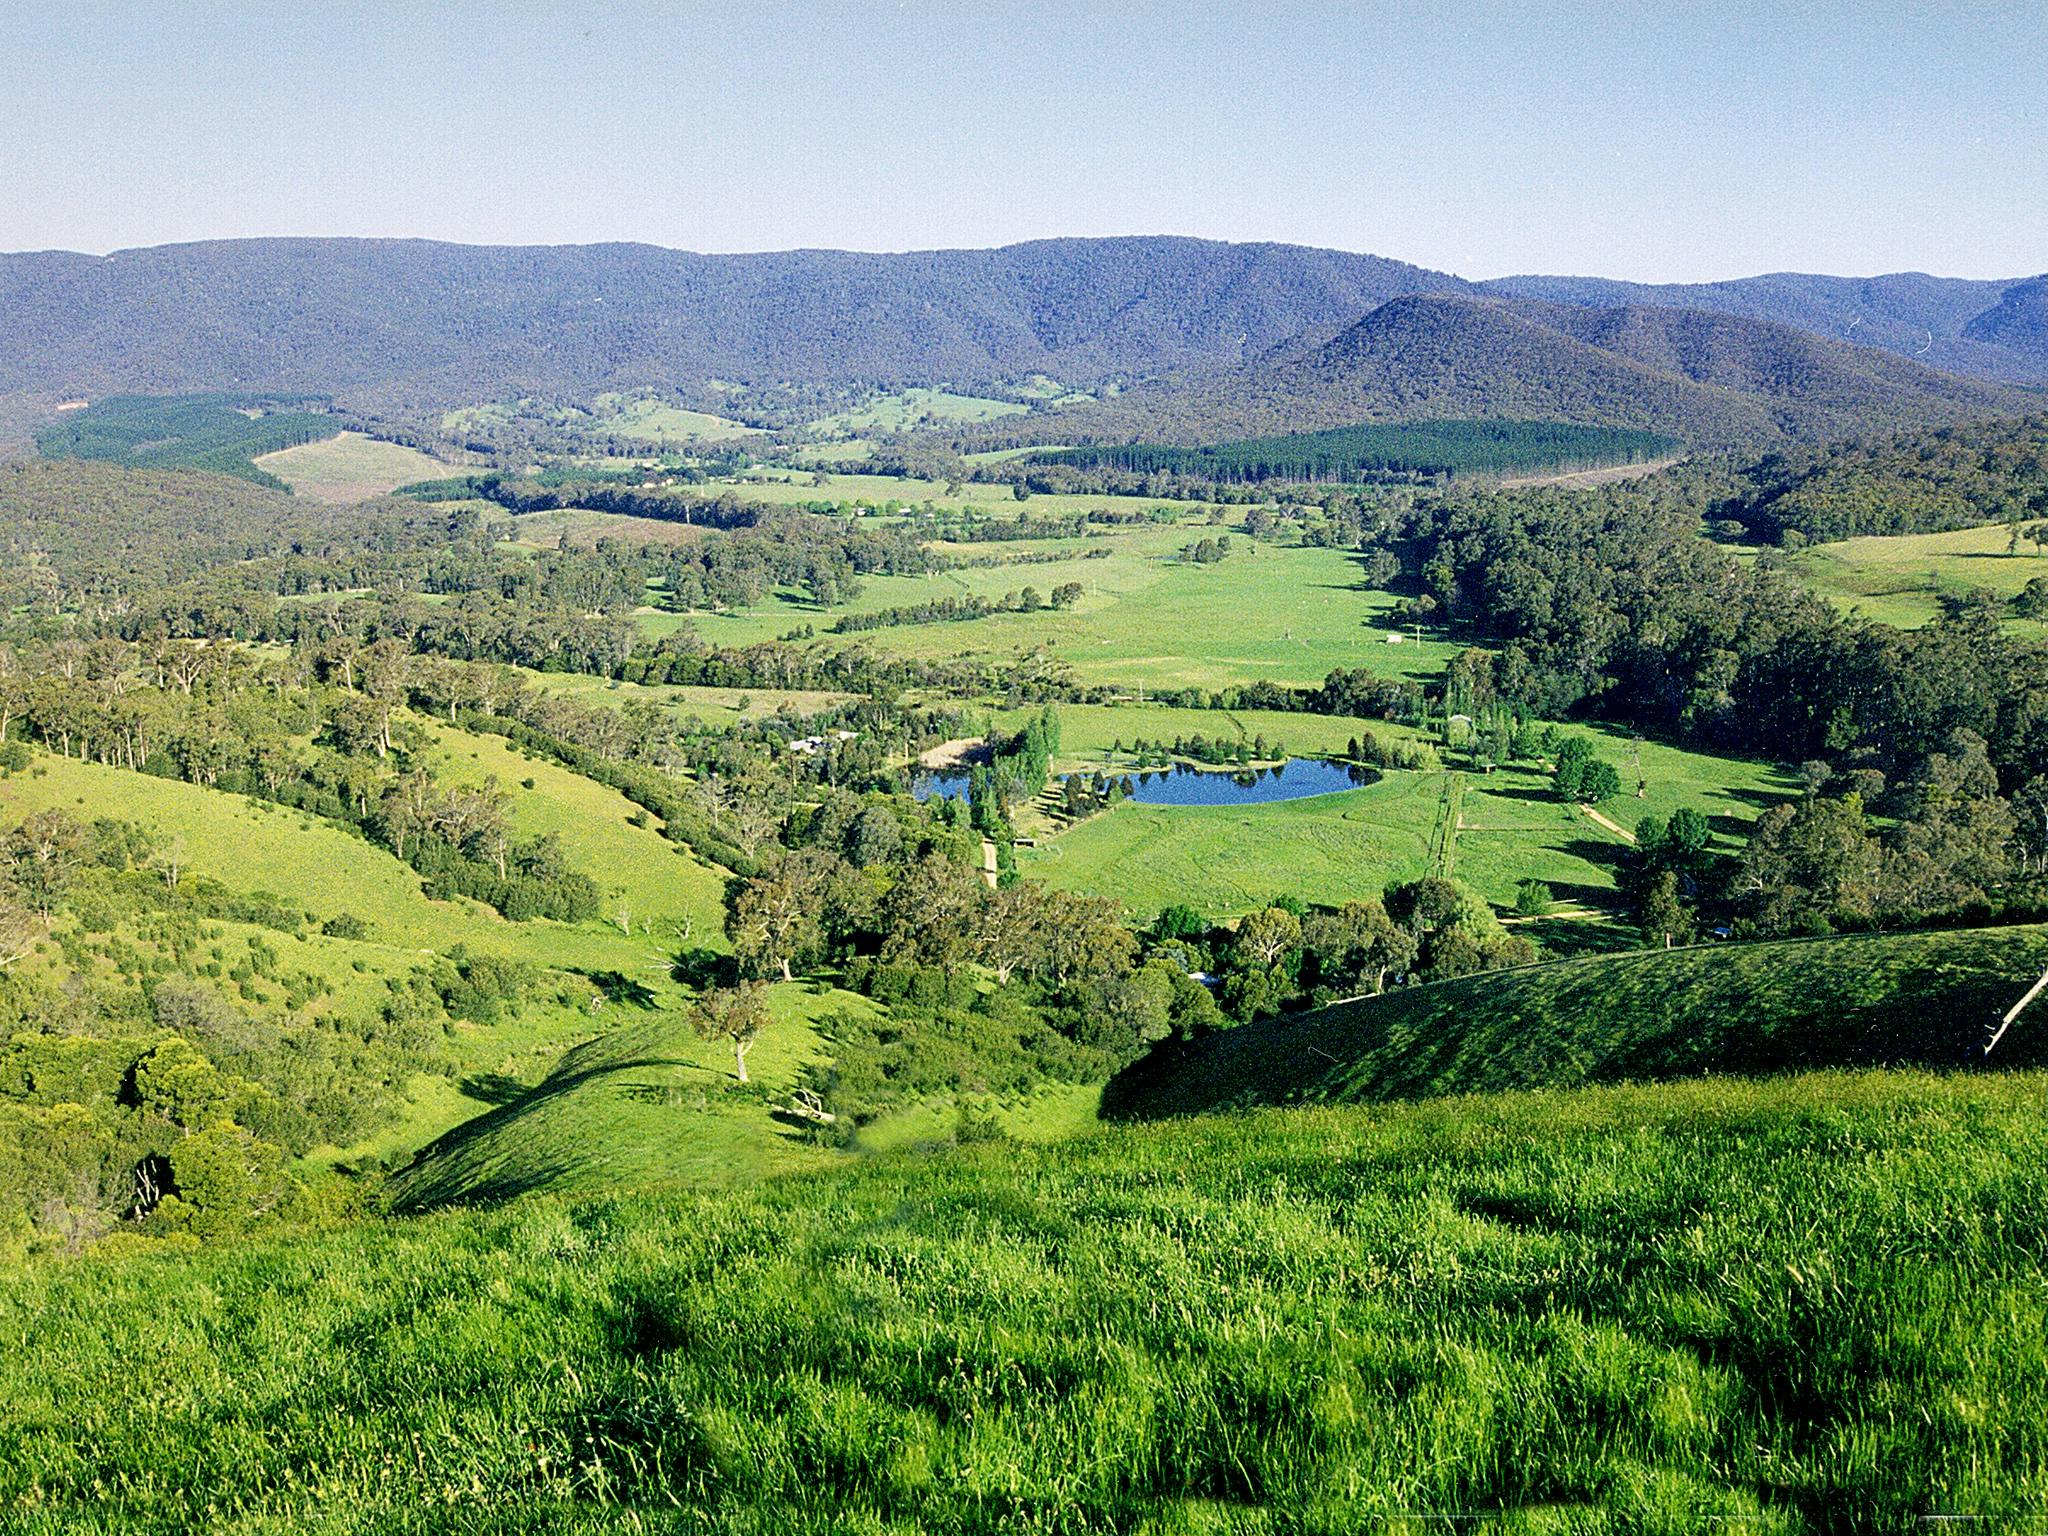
<point x="1994" y="329"/>
<point x="412" y="319"/>
<point x="1711" y="380"/>
<point x="414" y="315"/>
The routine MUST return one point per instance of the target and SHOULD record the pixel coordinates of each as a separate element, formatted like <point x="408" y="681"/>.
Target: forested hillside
<point x="221" y="433"/>
<point x="1982" y="328"/>
<point x="1919" y="482"/>
<point x="388" y="320"/>
<point x="1709" y="380"/>
<point x="73" y="531"/>
<point x="1364" y="453"/>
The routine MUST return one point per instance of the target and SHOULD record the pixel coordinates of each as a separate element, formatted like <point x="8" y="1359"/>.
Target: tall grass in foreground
<point x="1812" y="1303"/>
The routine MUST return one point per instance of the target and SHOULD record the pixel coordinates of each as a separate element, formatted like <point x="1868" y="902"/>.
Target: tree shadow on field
<point x="1406" y="582"/>
<point x="617" y="987"/>
<point x="444" y="1172"/>
<point x="1762" y="799"/>
<point x="1597" y="897"/>
<point x="1564" y="939"/>
<point x="493" y="1088"/>
<point x="701" y="968"/>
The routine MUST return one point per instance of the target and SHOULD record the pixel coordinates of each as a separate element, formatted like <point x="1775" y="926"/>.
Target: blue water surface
<point x="1296" y="779"/>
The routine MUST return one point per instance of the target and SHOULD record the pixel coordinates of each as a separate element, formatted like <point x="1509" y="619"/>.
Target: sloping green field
<point x="1902" y="579"/>
<point x="1863" y="1000"/>
<point x="646" y="1103"/>
<point x="253" y="846"/>
<point x="656" y="885"/>
<point x="1806" y="1305"/>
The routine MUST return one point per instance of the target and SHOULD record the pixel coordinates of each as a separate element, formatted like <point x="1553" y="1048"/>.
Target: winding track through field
<point x="1613" y="826"/>
<point x="1443" y="837"/>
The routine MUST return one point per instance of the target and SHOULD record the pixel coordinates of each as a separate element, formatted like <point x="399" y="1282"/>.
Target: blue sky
<point x="1661" y="142"/>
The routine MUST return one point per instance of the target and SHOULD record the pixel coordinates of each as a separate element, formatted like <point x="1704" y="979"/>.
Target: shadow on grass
<point x="1570" y="939"/>
<point x="494" y="1088"/>
<point x="1601" y="853"/>
<point x="1925" y="999"/>
<point x="1577" y="891"/>
<point x="617" y="987"/>
<point x="443" y="1173"/>
<point x="701" y="968"/>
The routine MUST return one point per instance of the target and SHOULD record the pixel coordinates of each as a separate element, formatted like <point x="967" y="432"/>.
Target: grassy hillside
<point x="659" y="885"/>
<point x="1929" y="998"/>
<point x="645" y="1103"/>
<point x="662" y="421"/>
<point x="1799" y="1306"/>
<point x="909" y="409"/>
<point x="1903" y="580"/>
<point x="252" y="846"/>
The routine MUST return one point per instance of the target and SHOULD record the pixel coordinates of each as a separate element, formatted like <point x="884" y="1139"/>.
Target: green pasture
<point x="911" y="408"/>
<point x="1804" y="1305"/>
<point x="1901" y="580"/>
<point x="1511" y="827"/>
<point x="660" y="421"/>
<point x="582" y="528"/>
<point x="1145" y="619"/>
<point x="1225" y="860"/>
<point x="713" y="706"/>
<point x="785" y="486"/>
<point x="351" y="467"/>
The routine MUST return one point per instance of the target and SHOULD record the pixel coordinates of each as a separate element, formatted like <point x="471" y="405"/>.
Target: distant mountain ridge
<point x="1712" y="380"/>
<point x="413" y="323"/>
<point x="396" y="318"/>
<point x="1991" y="329"/>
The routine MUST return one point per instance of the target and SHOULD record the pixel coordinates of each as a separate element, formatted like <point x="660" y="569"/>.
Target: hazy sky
<point x="1669" y="141"/>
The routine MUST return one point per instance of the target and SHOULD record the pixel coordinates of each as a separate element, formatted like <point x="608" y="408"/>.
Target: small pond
<point x="1295" y="779"/>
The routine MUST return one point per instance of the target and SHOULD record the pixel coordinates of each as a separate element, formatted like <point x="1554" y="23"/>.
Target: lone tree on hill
<point x="738" y="1014"/>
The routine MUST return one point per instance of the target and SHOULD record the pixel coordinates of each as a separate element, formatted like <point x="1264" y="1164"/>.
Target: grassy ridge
<point x="646" y="1103"/>
<point x="1868" y="999"/>
<point x="1811" y="1304"/>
